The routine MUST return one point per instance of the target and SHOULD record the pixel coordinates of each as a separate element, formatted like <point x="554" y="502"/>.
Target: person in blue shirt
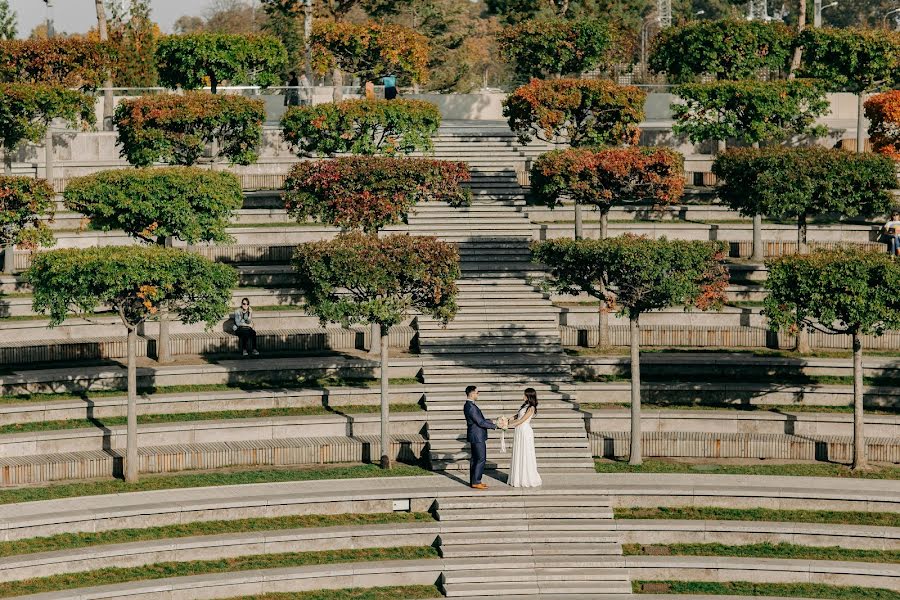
<point x="390" y="87"/>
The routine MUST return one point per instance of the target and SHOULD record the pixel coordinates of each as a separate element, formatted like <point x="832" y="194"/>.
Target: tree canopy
<point x="750" y="111"/>
<point x="359" y="278"/>
<point x="785" y="182"/>
<point x="191" y="204"/>
<point x="583" y="112"/>
<point x="370" y="192"/>
<point x="178" y="129"/>
<point x="545" y="47"/>
<point x="67" y="62"/>
<point x="24" y="204"/>
<point x="727" y="49"/>
<point x="375" y="126"/>
<point x="192" y="61"/>
<point x="852" y="60"/>
<point x="883" y="112"/>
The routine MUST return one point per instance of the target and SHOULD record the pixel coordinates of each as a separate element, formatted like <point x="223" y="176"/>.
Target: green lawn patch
<point x="283" y="383"/>
<point x="747" y="588"/>
<point x="70" y="541"/>
<point x="780" y="378"/>
<point x="206" y="479"/>
<point x="765" y="550"/>
<point x="259" y="413"/>
<point x="113" y="575"/>
<point x="714" y="513"/>
<point x="773" y="408"/>
<point x="408" y="592"/>
<point x="656" y="465"/>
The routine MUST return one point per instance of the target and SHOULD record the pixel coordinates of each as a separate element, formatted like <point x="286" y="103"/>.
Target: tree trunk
<point x="374" y="339"/>
<point x="213" y="84"/>
<point x="860" y="116"/>
<point x="802" y="345"/>
<point x="603" y="320"/>
<point x="604" y="225"/>
<point x="164" y="340"/>
<point x="103" y="31"/>
<point x="860" y="453"/>
<point x="338" y="80"/>
<point x="758" y="254"/>
<point x="48" y="157"/>
<point x="634" y="457"/>
<point x="802" y="227"/>
<point x="9" y="259"/>
<point x="798" y="51"/>
<point x="385" y="400"/>
<point x="307" y="35"/>
<point x="579" y="222"/>
<point x="131" y="446"/>
<point x="7" y="161"/>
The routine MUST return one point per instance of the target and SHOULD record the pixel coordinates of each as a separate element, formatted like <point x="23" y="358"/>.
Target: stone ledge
<point x="664" y="531"/>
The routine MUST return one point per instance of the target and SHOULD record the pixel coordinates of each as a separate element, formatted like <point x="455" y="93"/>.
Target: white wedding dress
<point x="523" y="471"/>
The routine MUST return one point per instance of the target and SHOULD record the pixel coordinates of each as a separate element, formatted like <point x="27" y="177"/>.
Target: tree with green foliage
<point x="156" y="206"/>
<point x="545" y="47"/>
<point x="852" y="60"/>
<point x="135" y="35"/>
<point x="840" y="292"/>
<point x="369" y="193"/>
<point x="359" y="278"/>
<point x="800" y="183"/>
<point x="387" y="127"/>
<point x="25" y="203"/>
<point x="190" y="61"/>
<point x="178" y="129"/>
<point x="370" y="50"/>
<point x="66" y="62"/>
<point x="730" y="49"/>
<point x="637" y="275"/>
<point x="27" y="109"/>
<point x="580" y="112"/>
<point x="8" y="22"/>
<point x="136" y="283"/>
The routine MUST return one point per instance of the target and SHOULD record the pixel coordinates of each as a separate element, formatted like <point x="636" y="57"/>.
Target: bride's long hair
<point x="530" y="400"/>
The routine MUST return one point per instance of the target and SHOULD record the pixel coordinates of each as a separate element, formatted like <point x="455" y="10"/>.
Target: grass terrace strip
<point x="765" y="550"/>
<point x="712" y="513"/>
<point x="790" y="470"/>
<point x="283" y="384"/>
<point x="205" y="479"/>
<point x="259" y="413"/>
<point x="164" y="570"/>
<point x="617" y="351"/>
<point x="747" y="588"/>
<point x="409" y="592"/>
<point x="712" y="405"/>
<point x="71" y="541"/>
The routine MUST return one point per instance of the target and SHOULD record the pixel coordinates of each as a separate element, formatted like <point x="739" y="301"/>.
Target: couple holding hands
<point x="523" y="466"/>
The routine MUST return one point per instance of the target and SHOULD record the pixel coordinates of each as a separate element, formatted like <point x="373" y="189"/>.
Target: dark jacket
<point x="476" y="424"/>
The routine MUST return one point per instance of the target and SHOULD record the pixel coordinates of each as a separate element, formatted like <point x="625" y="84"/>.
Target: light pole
<point x="889" y="13"/>
<point x="817" y="12"/>
<point x="49" y="18"/>
<point x="645" y="34"/>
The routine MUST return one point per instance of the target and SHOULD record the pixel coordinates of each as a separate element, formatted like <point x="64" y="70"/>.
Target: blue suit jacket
<point x="476" y="424"/>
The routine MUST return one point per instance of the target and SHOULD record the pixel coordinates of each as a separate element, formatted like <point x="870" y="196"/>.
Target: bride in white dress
<point x="523" y="470"/>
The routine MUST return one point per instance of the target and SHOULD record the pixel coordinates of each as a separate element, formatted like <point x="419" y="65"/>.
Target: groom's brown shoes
<point x="479" y="486"/>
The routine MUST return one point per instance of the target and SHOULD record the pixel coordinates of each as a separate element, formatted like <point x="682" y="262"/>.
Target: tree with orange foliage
<point x="883" y="112"/>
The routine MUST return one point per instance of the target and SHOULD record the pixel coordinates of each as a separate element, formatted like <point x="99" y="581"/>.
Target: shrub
<point x="852" y="60"/>
<point x="26" y="109"/>
<point x="195" y="59"/>
<point x="726" y="49"/>
<point x="800" y="182"/>
<point x="371" y="192"/>
<point x="187" y="203"/>
<point x="883" y="112"/>
<point x="370" y="50"/>
<point x="543" y="47"/>
<point x="67" y="62"/>
<point x="751" y="111"/>
<point x="177" y="129"/>
<point x="361" y="127"/>
<point x="23" y="201"/>
<point x="585" y="112"/>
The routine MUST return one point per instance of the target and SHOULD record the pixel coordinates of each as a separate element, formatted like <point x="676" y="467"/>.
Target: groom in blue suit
<point x="476" y="434"/>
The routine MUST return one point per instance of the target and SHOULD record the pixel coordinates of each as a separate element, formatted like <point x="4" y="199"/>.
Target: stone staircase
<point x="505" y="336"/>
<point x="533" y="546"/>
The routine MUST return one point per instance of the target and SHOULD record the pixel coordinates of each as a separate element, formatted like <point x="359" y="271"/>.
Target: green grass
<point x="766" y="550"/>
<point x="725" y="376"/>
<point x="295" y="383"/>
<point x="206" y="479"/>
<point x="714" y="513"/>
<point x="409" y="592"/>
<point x="773" y="408"/>
<point x="746" y="588"/>
<point x="70" y="541"/>
<point x="203" y="416"/>
<point x="790" y="470"/>
<point x="114" y="575"/>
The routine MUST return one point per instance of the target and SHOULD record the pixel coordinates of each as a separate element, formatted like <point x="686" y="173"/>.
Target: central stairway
<point x="549" y="546"/>
<point x="505" y="336"/>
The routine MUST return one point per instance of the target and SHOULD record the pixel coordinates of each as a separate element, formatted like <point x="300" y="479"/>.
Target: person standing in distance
<point x="476" y="435"/>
